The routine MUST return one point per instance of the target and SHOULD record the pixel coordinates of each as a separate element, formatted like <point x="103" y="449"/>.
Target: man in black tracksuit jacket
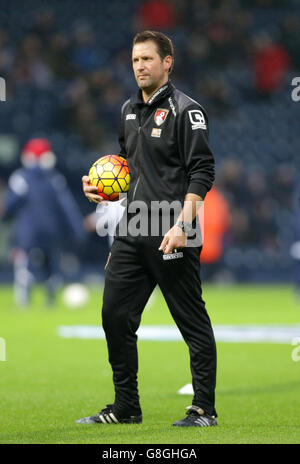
<point x="164" y="137"/>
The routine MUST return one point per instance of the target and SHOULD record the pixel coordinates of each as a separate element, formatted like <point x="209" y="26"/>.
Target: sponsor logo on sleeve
<point x="197" y="119"/>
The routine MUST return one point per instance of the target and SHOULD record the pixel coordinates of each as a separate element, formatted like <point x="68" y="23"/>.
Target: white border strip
<point x="223" y="333"/>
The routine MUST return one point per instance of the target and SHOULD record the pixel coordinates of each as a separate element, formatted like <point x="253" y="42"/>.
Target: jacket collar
<point x="161" y="93"/>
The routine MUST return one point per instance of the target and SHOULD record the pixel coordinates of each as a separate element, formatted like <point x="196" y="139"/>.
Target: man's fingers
<point x="87" y="187"/>
<point x="163" y="244"/>
<point x="168" y="249"/>
<point x="90" y="189"/>
<point x="94" y="198"/>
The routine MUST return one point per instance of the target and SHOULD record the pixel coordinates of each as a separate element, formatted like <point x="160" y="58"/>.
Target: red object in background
<point x="37" y="147"/>
<point x="216" y="221"/>
<point x="270" y="66"/>
<point x="154" y="14"/>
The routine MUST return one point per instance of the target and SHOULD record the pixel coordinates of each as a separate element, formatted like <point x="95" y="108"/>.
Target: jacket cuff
<point x="197" y="189"/>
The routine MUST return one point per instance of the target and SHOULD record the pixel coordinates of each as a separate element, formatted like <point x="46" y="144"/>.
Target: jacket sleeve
<point x="122" y="133"/>
<point x="16" y="195"/>
<point x="195" y="151"/>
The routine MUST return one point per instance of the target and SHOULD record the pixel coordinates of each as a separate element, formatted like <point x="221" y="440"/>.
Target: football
<point x="110" y="174"/>
<point x="75" y="295"/>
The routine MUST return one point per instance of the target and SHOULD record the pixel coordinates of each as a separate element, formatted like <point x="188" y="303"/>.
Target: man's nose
<point x="141" y="65"/>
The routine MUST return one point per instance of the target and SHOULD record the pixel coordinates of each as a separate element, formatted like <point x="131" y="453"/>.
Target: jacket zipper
<point x="138" y="179"/>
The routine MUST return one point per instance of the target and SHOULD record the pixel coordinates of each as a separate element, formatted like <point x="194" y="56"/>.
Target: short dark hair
<point x="163" y="43"/>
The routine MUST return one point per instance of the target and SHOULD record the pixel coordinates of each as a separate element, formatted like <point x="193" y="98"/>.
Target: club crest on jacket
<point x="160" y="116"/>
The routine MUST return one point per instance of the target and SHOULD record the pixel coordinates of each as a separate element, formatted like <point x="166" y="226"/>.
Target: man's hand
<point x="90" y="191"/>
<point x="175" y="238"/>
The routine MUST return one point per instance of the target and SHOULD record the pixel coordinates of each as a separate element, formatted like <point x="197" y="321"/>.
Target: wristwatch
<point x="187" y="227"/>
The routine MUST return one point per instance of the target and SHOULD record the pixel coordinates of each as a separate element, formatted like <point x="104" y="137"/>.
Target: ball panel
<point x="105" y="197"/>
<point x="93" y="176"/>
<point x="108" y="166"/>
<point x="107" y="182"/>
<point x="108" y="190"/>
<point x="116" y="186"/>
<point x="100" y="186"/>
<point x="114" y="197"/>
<point x="116" y="160"/>
<point x="99" y="169"/>
<point x="108" y="175"/>
<point x="123" y="172"/>
<point x="122" y="185"/>
<point x="116" y="170"/>
<point x="103" y="160"/>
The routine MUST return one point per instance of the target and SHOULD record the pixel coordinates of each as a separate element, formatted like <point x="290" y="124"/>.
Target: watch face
<point x="187" y="227"/>
<point x="180" y="224"/>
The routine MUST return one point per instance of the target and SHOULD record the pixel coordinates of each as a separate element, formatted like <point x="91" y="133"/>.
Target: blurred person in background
<point x="30" y="65"/>
<point x="44" y="212"/>
<point x="231" y="179"/>
<point x="45" y="25"/>
<point x="156" y="14"/>
<point x="216" y="222"/>
<point x="86" y="55"/>
<point x="271" y="62"/>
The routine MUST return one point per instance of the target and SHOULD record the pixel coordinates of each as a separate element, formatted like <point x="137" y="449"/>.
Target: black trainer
<point x="107" y="416"/>
<point x="196" y="417"/>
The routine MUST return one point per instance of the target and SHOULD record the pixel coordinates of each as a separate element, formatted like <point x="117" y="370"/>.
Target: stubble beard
<point x="149" y="86"/>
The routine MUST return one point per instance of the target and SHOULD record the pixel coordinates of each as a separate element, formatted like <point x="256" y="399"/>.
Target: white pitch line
<point x="223" y="333"/>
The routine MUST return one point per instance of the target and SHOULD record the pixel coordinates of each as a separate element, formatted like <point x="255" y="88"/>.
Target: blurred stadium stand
<point x="68" y="71"/>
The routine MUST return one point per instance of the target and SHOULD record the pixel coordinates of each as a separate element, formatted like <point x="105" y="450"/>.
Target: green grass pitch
<point x="47" y="382"/>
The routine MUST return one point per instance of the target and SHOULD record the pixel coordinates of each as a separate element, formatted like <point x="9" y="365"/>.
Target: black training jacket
<point x="165" y="142"/>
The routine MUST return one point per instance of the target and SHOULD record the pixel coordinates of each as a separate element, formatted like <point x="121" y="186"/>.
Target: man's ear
<point x="168" y="61"/>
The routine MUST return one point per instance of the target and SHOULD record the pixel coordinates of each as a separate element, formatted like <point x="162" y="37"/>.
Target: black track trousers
<point x="133" y="270"/>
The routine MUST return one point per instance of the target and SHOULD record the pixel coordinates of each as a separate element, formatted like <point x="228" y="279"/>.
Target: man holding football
<point x="164" y="137"/>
